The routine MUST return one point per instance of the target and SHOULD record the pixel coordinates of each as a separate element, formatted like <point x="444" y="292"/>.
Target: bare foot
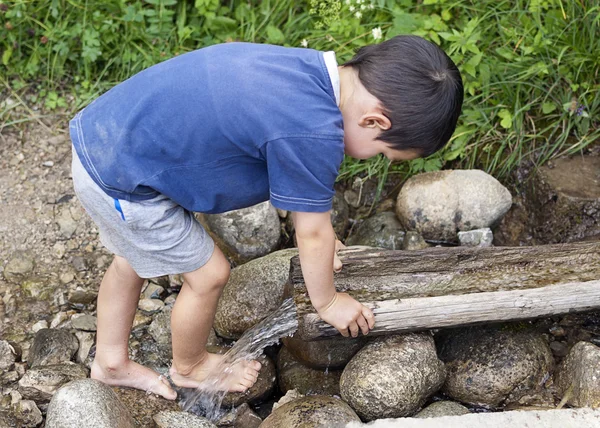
<point x="133" y="375"/>
<point x="238" y="378"/>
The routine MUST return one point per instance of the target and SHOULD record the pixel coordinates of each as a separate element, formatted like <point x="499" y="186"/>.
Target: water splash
<point x="207" y="398"/>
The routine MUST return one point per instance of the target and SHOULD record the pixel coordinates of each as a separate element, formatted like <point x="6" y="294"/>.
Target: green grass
<point x="531" y="68"/>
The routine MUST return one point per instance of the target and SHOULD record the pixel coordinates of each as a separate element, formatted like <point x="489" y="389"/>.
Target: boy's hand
<point x="337" y="264"/>
<point x="347" y="315"/>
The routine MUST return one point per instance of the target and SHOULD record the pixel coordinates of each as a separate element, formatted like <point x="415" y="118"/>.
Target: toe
<point x="255" y="365"/>
<point x="239" y="388"/>
<point x="247" y="383"/>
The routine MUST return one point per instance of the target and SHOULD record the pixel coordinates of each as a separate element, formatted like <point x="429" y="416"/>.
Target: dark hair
<point x="419" y="87"/>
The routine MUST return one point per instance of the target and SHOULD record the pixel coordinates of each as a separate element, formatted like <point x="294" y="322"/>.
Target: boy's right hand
<point x="347" y="315"/>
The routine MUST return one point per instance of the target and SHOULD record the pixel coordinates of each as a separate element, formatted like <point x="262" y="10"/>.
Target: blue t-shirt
<point x="217" y="129"/>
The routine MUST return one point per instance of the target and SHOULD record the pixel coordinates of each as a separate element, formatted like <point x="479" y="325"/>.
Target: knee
<point x="123" y="269"/>
<point x="209" y="279"/>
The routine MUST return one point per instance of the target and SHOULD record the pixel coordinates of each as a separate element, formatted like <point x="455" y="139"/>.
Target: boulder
<point x="383" y="230"/>
<point x="245" y="234"/>
<point x="494" y="366"/>
<point x="52" y="346"/>
<point x="580" y="373"/>
<point x="329" y="354"/>
<point x="313" y="411"/>
<point x="40" y="383"/>
<point x="442" y="408"/>
<point x="439" y="204"/>
<point x="253" y="291"/>
<point x="87" y="403"/>
<point x="564" y="197"/>
<point x="305" y="380"/>
<point x="392" y="376"/>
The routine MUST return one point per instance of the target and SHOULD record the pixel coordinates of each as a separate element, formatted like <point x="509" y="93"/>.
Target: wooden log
<point x="377" y="276"/>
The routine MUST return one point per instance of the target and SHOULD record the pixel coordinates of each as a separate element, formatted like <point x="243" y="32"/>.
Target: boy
<point x="227" y="127"/>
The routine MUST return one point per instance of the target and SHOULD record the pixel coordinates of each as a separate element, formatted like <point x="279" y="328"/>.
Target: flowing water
<point x="207" y="398"/>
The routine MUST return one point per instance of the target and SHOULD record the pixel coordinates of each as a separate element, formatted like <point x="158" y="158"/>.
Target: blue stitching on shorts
<point x="118" y="208"/>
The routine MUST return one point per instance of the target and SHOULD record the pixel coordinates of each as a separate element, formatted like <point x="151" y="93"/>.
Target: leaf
<point x="274" y="34"/>
<point x="6" y="55"/>
<point x="548" y="107"/>
<point x="507" y="118"/>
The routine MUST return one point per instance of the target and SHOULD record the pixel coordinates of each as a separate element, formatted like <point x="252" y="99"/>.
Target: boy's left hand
<point x="337" y="264"/>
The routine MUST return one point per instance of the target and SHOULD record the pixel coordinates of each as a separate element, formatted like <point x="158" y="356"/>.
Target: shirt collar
<point x="334" y="76"/>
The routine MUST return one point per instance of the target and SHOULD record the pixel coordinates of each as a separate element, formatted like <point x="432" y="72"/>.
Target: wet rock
<point x="160" y="327"/>
<point x="559" y="349"/>
<point x="564" y="198"/>
<point x="476" y="238"/>
<point x="340" y="215"/>
<point x="514" y="229"/>
<point x="291" y="395"/>
<point x="52" y="346"/>
<point x="40" y="383"/>
<point x="316" y="410"/>
<point x="578" y="376"/>
<point x="181" y="420"/>
<point x="494" y="366"/>
<point x="330" y="354"/>
<point x="18" y="266"/>
<point x="440" y="204"/>
<point x="87" y="403"/>
<point x="142" y="406"/>
<point x="86" y="341"/>
<point x="260" y="391"/>
<point x="8" y="356"/>
<point x="151" y="306"/>
<point x="254" y="290"/>
<point x="240" y="417"/>
<point x="413" y="241"/>
<point x="392" y="376"/>
<point x="383" y="230"/>
<point x="442" y="408"/>
<point x="295" y="376"/>
<point x="84" y="322"/>
<point x="247" y="233"/>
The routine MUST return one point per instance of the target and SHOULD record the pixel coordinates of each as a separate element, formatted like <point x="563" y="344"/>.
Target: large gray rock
<point x="383" y="230"/>
<point x="254" y="290"/>
<point x="40" y="383"/>
<point x="8" y="356"/>
<point x="564" y="197"/>
<point x="440" y="204"/>
<point x="392" y="376"/>
<point x="305" y="380"/>
<point x="52" y="346"/>
<point x="313" y="411"/>
<point x="87" y="403"/>
<point x="329" y="354"/>
<point x="494" y="366"/>
<point x="247" y="233"/>
<point x="171" y="419"/>
<point x="442" y="408"/>
<point x="581" y="371"/>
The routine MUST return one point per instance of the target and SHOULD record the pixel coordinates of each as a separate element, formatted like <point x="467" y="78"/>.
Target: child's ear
<point x="375" y="119"/>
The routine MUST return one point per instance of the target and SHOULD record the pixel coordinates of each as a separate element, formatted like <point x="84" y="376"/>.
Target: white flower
<point x="351" y="8"/>
<point x="363" y="7"/>
<point x="371" y="6"/>
<point x="347" y="2"/>
<point x="304" y="43"/>
<point x="358" y="14"/>
<point x="359" y="1"/>
<point x="376" y="32"/>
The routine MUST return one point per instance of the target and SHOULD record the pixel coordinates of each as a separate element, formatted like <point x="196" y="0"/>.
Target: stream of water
<point x="207" y="398"/>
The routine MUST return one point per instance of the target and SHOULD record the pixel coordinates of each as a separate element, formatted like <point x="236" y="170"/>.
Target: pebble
<point x="151" y="305"/>
<point x="84" y="322"/>
<point x="48" y="164"/>
<point x="39" y="325"/>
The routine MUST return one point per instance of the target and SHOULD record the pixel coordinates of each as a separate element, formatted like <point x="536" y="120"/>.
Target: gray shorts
<point x="157" y="236"/>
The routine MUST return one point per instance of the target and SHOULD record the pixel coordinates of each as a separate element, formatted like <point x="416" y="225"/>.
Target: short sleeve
<point x="302" y="172"/>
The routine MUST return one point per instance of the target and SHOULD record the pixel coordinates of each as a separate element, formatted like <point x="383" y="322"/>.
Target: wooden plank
<point x="422" y="313"/>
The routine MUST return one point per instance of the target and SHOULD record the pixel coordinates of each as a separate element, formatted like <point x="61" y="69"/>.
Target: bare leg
<point x="117" y="302"/>
<point x="191" y="321"/>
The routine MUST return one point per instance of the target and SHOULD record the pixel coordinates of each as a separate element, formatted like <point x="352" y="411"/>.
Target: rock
<point x="160" y="327"/>
<point x="260" y="391"/>
<point x="247" y="233"/>
<point x="581" y="371"/>
<point x="383" y="230"/>
<point x="142" y="406"/>
<point x="87" y="403"/>
<point x="153" y="291"/>
<point x="18" y="266"/>
<point x="564" y="198"/>
<point x="79" y="264"/>
<point x="494" y="366"/>
<point x="442" y="408"/>
<point x="440" y="204"/>
<point x="58" y="319"/>
<point x="83" y="297"/>
<point x="8" y="356"/>
<point x="324" y="354"/>
<point x="37" y="287"/>
<point x="40" y="325"/>
<point x="40" y="383"/>
<point x="141" y="319"/>
<point x="476" y="238"/>
<point x="514" y="229"/>
<point x="52" y="346"/>
<point x="295" y="376"/>
<point x="84" y="322"/>
<point x="181" y="420"/>
<point x="240" y="417"/>
<point x="313" y="411"/>
<point x="291" y="395"/>
<point x="392" y="376"/>
<point x="340" y="215"/>
<point x="151" y="306"/>
<point x="254" y="290"/>
<point x="67" y="225"/>
<point x="413" y="241"/>
<point x="86" y="341"/>
<point x="28" y="414"/>
<point x="559" y="349"/>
